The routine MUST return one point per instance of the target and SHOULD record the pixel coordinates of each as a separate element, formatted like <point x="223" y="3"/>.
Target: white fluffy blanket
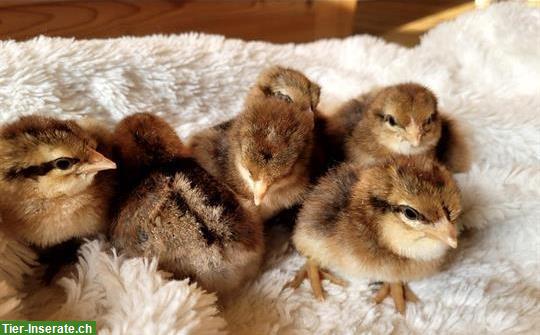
<point x="485" y="68"/>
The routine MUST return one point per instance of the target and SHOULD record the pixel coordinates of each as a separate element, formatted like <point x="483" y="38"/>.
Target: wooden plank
<point x="403" y="21"/>
<point x="275" y="21"/>
<point x="380" y="16"/>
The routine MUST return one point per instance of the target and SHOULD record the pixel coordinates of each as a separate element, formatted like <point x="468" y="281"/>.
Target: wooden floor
<point x="275" y="21"/>
<point x="401" y="21"/>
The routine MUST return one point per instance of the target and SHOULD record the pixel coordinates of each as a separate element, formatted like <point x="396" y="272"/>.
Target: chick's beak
<point x="416" y="140"/>
<point x="96" y="162"/>
<point x="259" y="191"/>
<point x="415" y="136"/>
<point x="444" y="231"/>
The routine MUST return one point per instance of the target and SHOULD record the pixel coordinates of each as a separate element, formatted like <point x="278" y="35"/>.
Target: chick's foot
<point x="315" y="275"/>
<point x="400" y="293"/>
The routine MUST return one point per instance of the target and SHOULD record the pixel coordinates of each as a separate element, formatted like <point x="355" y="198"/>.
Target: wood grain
<point x="279" y="21"/>
<point x="391" y="19"/>
<point x="275" y="21"/>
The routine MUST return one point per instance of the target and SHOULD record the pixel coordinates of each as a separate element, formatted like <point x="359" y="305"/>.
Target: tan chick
<point x="392" y="222"/>
<point x="179" y="213"/>
<point x="400" y="119"/>
<point x="294" y="87"/>
<point x="287" y="84"/>
<point x="266" y="153"/>
<point x="53" y="184"/>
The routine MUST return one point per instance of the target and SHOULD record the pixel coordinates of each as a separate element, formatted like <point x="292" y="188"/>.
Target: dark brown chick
<point x="392" y="222"/>
<point x="400" y="119"/>
<point x="452" y="150"/>
<point x="51" y="185"/>
<point x="266" y="153"/>
<point x="179" y="213"/>
<point x="100" y="131"/>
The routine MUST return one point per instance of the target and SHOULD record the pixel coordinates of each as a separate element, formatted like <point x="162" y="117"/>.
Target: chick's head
<point x="289" y="85"/>
<point x="144" y="139"/>
<point x="49" y="157"/>
<point x="272" y="143"/>
<point x="405" y="118"/>
<point x="417" y="203"/>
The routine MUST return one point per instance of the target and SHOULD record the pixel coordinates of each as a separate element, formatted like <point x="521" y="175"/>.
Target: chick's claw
<point x="315" y="275"/>
<point x="315" y="280"/>
<point x="298" y="278"/>
<point x="382" y="293"/>
<point x="333" y="279"/>
<point x="400" y="293"/>
<point x="409" y="294"/>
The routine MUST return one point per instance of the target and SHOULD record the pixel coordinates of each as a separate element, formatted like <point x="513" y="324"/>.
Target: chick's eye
<point x="410" y="213"/>
<point x="390" y="120"/>
<point x="63" y="163"/>
<point x="284" y="97"/>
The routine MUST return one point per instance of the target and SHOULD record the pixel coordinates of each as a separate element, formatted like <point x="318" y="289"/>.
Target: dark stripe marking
<point x="341" y="190"/>
<point x="209" y="236"/>
<point x="216" y="194"/>
<point x="42" y="169"/>
<point x="380" y="204"/>
<point x="33" y="171"/>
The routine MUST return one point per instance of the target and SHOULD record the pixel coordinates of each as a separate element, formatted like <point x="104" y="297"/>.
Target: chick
<point x="266" y="153"/>
<point x="392" y="222"/>
<point x="287" y="84"/>
<point x="51" y="185"/>
<point x="294" y="87"/>
<point x="339" y="126"/>
<point x="177" y="212"/>
<point x="400" y="119"/>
